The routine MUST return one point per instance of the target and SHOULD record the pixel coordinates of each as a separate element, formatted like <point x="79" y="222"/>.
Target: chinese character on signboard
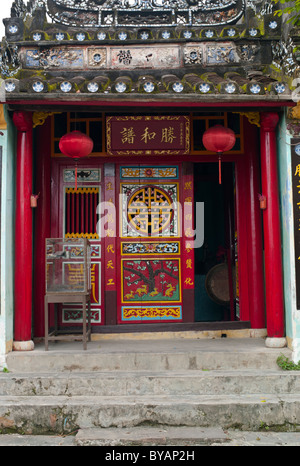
<point x="148" y="135"/>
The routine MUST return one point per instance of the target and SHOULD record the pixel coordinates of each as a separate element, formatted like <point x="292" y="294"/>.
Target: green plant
<point x="286" y="364"/>
<point x="264" y="426"/>
<point x="293" y="9"/>
<point x="5" y="369"/>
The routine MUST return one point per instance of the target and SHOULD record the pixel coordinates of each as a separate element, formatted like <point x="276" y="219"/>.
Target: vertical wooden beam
<point x="229" y="230"/>
<point x="42" y="221"/>
<point x="242" y="240"/>
<point x="272" y="229"/>
<point x="255" y="249"/>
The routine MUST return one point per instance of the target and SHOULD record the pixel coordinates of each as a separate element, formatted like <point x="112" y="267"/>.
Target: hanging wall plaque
<point x="148" y="135"/>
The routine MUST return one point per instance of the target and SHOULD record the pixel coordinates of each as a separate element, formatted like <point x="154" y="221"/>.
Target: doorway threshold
<point x="172" y="327"/>
<point x="185" y="330"/>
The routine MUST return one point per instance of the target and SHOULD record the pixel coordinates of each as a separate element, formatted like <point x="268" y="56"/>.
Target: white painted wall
<point x="4" y="13"/>
<point x="288" y="246"/>
<point x="7" y="141"/>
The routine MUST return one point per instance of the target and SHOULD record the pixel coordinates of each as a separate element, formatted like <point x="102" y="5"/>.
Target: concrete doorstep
<point x="182" y="437"/>
<point x="168" y="439"/>
<point x="150" y="436"/>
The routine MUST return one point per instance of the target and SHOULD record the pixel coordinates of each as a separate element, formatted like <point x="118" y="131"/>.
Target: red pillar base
<point x="23" y="345"/>
<point x="276" y="342"/>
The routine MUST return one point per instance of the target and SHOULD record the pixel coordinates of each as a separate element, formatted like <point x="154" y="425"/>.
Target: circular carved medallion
<point x="149" y="210"/>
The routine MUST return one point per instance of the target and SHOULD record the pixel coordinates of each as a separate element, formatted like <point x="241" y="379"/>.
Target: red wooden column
<point x="272" y="232"/>
<point x="23" y="233"/>
<point x="255" y="249"/>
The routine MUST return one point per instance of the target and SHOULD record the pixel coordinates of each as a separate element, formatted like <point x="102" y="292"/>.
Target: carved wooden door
<point x="76" y="217"/>
<point x="151" y="273"/>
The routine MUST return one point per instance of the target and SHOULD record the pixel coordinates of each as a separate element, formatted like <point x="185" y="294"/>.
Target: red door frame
<point x="242" y="201"/>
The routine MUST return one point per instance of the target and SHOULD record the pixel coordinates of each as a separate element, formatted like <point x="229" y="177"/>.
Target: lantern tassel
<point x="220" y="170"/>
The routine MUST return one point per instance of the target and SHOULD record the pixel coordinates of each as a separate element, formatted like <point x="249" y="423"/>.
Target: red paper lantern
<point x="76" y="145"/>
<point x="219" y="139"/>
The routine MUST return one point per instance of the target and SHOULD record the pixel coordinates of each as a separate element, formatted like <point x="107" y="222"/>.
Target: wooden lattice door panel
<point x="150" y="211"/>
<point x="150" y="272"/>
<point x="81" y="212"/>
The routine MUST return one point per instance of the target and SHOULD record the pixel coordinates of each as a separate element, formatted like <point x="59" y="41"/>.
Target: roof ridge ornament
<point x="19" y="8"/>
<point x="93" y="13"/>
<point x="144" y="4"/>
<point x="9" y="60"/>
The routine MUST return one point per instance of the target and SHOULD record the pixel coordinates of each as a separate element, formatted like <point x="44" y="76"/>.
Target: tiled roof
<point x="207" y="86"/>
<point x="199" y="50"/>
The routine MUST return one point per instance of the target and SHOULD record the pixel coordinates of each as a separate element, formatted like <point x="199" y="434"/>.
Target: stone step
<point x="124" y="383"/>
<point x="61" y="414"/>
<point x="149" y="356"/>
<point x="166" y="436"/>
<point x="151" y="436"/>
<point x="163" y="436"/>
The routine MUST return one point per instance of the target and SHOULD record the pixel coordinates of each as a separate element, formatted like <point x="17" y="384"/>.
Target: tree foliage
<point x="291" y="8"/>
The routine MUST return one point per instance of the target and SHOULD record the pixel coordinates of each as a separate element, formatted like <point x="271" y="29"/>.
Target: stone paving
<point x="231" y="438"/>
<point x="233" y="367"/>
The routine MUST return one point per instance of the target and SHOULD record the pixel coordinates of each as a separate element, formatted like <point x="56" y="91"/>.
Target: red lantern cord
<point x="76" y="176"/>
<point x="76" y="145"/>
<point x="219" y="139"/>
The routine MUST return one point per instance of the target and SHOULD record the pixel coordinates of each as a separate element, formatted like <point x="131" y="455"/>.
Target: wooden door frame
<point x="188" y="296"/>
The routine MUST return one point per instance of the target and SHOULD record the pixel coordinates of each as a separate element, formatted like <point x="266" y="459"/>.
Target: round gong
<point x="217" y="284"/>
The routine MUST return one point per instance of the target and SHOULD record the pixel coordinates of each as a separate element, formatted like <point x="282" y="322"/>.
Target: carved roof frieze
<point x="134" y="56"/>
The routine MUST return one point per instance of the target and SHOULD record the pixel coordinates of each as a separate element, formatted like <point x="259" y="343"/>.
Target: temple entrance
<point x="145" y="267"/>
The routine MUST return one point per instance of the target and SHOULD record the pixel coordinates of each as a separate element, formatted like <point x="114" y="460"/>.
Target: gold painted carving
<point x="82" y="190"/>
<point x="151" y="312"/>
<point x="81" y="235"/>
<point x="253" y="117"/>
<point x="294" y="113"/>
<point x="3" y="124"/>
<point x="39" y="118"/>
